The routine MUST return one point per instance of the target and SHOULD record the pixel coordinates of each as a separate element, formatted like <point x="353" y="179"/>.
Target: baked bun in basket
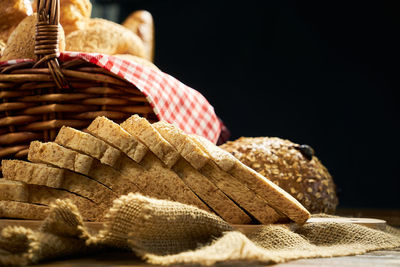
<point x="105" y="37"/>
<point x="21" y="43"/>
<point x="291" y="166"/>
<point x="12" y="12"/>
<point x="74" y="14"/>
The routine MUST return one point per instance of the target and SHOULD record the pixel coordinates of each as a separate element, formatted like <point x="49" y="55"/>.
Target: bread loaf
<point x="12" y="12"/>
<point x="151" y="175"/>
<point x="291" y="166"/>
<point x="237" y="191"/>
<point x="74" y="14"/>
<point x="200" y="184"/>
<point x="21" y="43"/>
<point x="141" y="23"/>
<point x="275" y="196"/>
<point x="105" y="37"/>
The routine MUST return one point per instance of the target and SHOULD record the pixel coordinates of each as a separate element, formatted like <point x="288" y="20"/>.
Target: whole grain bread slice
<point x="104" y="128"/>
<point x="127" y="176"/>
<point x="41" y="174"/>
<point x="13" y="191"/>
<point x="152" y="176"/>
<point x="143" y="131"/>
<point x="54" y="154"/>
<point x="273" y="194"/>
<point x="99" y="172"/>
<point x="210" y="194"/>
<point x="238" y="192"/>
<point x="22" y="210"/>
<point x="43" y="195"/>
<point x="187" y="149"/>
<point x="200" y="184"/>
<point x="87" y="144"/>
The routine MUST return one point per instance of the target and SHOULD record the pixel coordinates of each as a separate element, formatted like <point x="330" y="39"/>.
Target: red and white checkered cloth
<point x="170" y="99"/>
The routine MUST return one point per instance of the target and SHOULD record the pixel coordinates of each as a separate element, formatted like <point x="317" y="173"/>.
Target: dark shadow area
<point x="318" y="73"/>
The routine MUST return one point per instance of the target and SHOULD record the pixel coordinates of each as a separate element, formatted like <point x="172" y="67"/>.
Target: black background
<point x="323" y="73"/>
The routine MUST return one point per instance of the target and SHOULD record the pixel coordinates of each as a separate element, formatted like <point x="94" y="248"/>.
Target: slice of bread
<point x="200" y="184"/>
<point x="128" y="176"/>
<point x="41" y="174"/>
<point x="238" y="192"/>
<point x="43" y="195"/>
<point x="106" y="129"/>
<point x="99" y="172"/>
<point x="114" y="179"/>
<point x="141" y="129"/>
<point x="273" y="194"/>
<point x="167" y="180"/>
<point x="242" y="195"/>
<point x="13" y="191"/>
<point x="210" y="194"/>
<point x="187" y="149"/>
<point x="54" y="154"/>
<point x="87" y="144"/>
<point x="21" y="210"/>
<point x="152" y="176"/>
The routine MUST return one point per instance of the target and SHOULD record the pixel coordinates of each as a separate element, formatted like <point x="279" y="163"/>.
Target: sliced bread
<point x="102" y="173"/>
<point x="13" y="191"/>
<point x="41" y="174"/>
<point x="54" y="154"/>
<point x="22" y="210"/>
<point x="151" y="176"/>
<point x="238" y="192"/>
<point x="43" y="195"/>
<point x="273" y="194"/>
<point x="187" y="149"/>
<point x="142" y="129"/>
<point x="200" y="184"/>
<point x="87" y="144"/>
<point x="104" y="129"/>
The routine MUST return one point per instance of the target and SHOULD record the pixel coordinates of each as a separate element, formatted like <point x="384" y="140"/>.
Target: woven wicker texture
<point x="165" y="232"/>
<point x="41" y="96"/>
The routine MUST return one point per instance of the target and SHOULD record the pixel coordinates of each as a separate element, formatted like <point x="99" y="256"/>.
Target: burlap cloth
<point x="164" y="232"/>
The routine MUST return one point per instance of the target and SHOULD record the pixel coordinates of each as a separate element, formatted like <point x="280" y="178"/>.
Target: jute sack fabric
<point x="165" y="232"/>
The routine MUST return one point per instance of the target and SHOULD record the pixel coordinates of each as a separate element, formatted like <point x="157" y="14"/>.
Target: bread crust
<point x="284" y="163"/>
<point x="275" y="196"/>
<point x="21" y="210"/>
<point x="21" y="43"/>
<point x="141" y="23"/>
<point x="105" y="37"/>
<point x="182" y="143"/>
<point x="13" y="191"/>
<point x="41" y="174"/>
<point x="88" y="144"/>
<point x="12" y="12"/>
<point x="106" y="130"/>
<point x="142" y="129"/>
<point x="54" y="154"/>
<point x="43" y="195"/>
<point x="193" y="158"/>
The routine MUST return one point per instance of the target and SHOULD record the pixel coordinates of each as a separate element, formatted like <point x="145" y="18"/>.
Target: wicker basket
<point x="41" y="96"/>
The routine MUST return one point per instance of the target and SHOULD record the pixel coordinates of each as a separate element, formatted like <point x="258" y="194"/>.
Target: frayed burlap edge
<point x="166" y="232"/>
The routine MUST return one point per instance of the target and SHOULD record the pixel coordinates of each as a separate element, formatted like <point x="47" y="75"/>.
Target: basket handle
<point x="47" y="39"/>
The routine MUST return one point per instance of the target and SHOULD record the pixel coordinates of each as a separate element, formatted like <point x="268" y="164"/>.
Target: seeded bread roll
<point x="291" y="166"/>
